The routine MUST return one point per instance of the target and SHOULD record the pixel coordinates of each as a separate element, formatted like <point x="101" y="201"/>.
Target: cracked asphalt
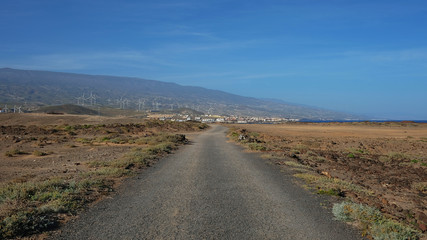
<point x="210" y="189"/>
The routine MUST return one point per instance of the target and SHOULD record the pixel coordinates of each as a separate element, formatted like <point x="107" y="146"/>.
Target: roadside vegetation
<point x="330" y="167"/>
<point x="36" y="205"/>
<point x="372" y="222"/>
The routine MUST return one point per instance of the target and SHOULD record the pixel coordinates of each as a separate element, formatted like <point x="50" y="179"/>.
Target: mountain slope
<point x="52" y="88"/>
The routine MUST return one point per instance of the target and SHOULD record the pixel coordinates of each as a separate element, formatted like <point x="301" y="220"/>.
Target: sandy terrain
<point x="389" y="159"/>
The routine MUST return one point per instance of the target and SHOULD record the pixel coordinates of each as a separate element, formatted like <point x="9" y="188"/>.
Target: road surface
<point x="210" y="189"/>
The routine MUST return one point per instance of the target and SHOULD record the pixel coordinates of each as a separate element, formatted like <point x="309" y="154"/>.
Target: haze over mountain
<point x="54" y="88"/>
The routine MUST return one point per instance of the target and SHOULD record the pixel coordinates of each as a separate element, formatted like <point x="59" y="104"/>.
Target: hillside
<point x="54" y="88"/>
<point x="67" y="108"/>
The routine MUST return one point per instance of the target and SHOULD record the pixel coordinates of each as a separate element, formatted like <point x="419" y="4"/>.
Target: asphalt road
<point x="210" y="189"/>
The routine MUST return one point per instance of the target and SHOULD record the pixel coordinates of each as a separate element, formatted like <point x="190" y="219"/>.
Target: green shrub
<point x="69" y="128"/>
<point x="109" y="172"/>
<point x="39" y="153"/>
<point x="396" y="156"/>
<point x="14" y="152"/>
<point x="323" y="182"/>
<point x="257" y="147"/>
<point x="165" y="147"/>
<point x="25" y="223"/>
<point x="331" y="192"/>
<point x="296" y="165"/>
<point x="420" y="186"/>
<point x="372" y="222"/>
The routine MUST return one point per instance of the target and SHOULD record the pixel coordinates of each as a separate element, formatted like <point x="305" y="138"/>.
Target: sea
<point x="378" y="121"/>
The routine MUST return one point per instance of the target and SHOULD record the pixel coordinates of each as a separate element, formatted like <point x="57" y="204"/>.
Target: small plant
<point x="396" y="156"/>
<point x="301" y="148"/>
<point x="39" y="153"/>
<point x="351" y="155"/>
<point x="372" y="222"/>
<point x="109" y="172"/>
<point x="14" y="152"/>
<point x="256" y="147"/>
<point x="103" y="139"/>
<point x="384" y="159"/>
<point x="420" y="186"/>
<point x="69" y="128"/>
<point x="8" y="154"/>
<point x="323" y="182"/>
<point x="296" y="165"/>
<point x="295" y="151"/>
<point x="331" y="192"/>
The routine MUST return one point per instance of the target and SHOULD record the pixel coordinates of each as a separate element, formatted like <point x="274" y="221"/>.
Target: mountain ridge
<point x="54" y="88"/>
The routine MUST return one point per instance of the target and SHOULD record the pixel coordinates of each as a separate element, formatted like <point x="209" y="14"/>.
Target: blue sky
<point x="365" y="57"/>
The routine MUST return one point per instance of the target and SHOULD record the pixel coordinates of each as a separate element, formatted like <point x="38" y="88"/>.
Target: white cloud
<point x="88" y="60"/>
<point x="401" y="55"/>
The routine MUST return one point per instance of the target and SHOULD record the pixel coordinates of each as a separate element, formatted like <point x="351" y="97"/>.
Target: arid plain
<point x="383" y="165"/>
<point x="52" y="166"/>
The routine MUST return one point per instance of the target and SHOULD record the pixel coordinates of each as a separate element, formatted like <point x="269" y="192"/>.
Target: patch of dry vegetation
<point x="380" y="165"/>
<point x="31" y="205"/>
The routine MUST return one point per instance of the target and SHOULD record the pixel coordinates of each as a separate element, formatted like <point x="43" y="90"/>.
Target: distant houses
<point x="220" y="119"/>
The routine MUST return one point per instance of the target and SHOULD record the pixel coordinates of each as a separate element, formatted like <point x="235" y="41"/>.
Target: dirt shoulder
<point x="384" y="163"/>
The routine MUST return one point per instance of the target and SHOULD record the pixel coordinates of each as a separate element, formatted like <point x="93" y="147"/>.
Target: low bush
<point x="257" y="147"/>
<point x="32" y="206"/>
<point x="323" y="182"/>
<point x="373" y="223"/>
<point x="14" y="152"/>
<point x="39" y="153"/>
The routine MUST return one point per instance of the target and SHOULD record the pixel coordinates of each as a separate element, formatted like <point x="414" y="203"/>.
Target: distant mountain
<point x="55" y="88"/>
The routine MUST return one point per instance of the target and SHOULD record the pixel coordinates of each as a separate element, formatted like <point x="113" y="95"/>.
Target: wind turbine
<point x="92" y="98"/>
<point x="119" y="101"/>
<point x="122" y="102"/>
<point x="140" y="103"/>
<point x="83" y="99"/>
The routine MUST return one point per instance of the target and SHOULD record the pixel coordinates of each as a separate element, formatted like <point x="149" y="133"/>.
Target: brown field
<point x="50" y="145"/>
<point x="53" y="165"/>
<point x="383" y="164"/>
<point x="39" y="119"/>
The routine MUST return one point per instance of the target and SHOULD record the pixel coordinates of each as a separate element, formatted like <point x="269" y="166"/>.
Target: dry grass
<point x="373" y="223"/>
<point x="31" y="207"/>
<point x="377" y="164"/>
<point x="326" y="183"/>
